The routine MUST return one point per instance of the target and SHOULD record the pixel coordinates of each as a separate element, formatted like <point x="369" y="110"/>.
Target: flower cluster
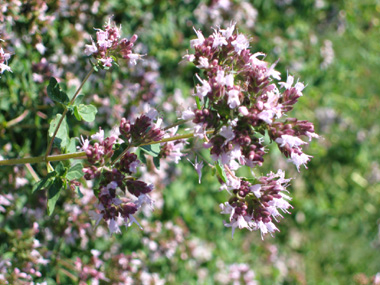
<point x="109" y="47"/>
<point x="287" y="135"/>
<point x="113" y="174"/>
<point x="254" y="206"/>
<point x="4" y="57"/>
<point x="241" y="103"/>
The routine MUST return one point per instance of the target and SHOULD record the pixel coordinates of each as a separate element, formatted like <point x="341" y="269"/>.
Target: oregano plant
<point x="239" y="100"/>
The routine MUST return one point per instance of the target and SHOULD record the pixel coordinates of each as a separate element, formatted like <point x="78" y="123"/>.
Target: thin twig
<point x="230" y="172"/>
<point x="50" y="145"/>
<point x="66" y="156"/>
<point x="32" y="172"/>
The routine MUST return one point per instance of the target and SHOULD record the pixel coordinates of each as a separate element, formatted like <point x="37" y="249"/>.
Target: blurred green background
<point x="333" y="233"/>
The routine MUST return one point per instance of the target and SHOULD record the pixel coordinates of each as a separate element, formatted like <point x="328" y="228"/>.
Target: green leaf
<point x="55" y="93"/>
<point x="152" y="149"/>
<point x="119" y="150"/>
<point x="199" y="105"/>
<point x="250" y="179"/>
<point x="156" y="161"/>
<point x="220" y="170"/>
<point x="62" y="138"/>
<point x="207" y="102"/>
<point x="44" y="183"/>
<point x="60" y="169"/>
<point x="71" y="146"/>
<point x="78" y="192"/>
<point x="76" y="113"/>
<point x="75" y="172"/>
<point x="86" y="112"/>
<point x="53" y="194"/>
<point x="141" y="156"/>
<point x="78" y="100"/>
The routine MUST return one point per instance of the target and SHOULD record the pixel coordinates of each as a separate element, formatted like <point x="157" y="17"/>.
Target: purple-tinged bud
<point x="155" y="134"/>
<point x="125" y="128"/>
<point x="137" y="187"/>
<point x="266" y="219"/>
<point x="128" y="209"/>
<point x="140" y="127"/>
<point x="128" y="163"/>
<point x="91" y="172"/>
<point x="277" y="196"/>
<point x="133" y="39"/>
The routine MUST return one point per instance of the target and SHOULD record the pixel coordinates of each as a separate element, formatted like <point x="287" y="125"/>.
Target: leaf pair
<point x="56" y="181"/>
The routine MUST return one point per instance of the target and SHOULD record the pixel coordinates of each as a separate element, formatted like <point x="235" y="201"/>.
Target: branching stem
<point x="59" y="157"/>
<point x="50" y="145"/>
<point x="82" y="154"/>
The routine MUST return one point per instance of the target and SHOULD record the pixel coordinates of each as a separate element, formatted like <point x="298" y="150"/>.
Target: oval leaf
<point x="62" y="138"/>
<point x="152" y="149"/>
<point x="87" y="112"/>
<point x="53" y="194"/>
<point x="55" y="93"/>
<point x="220" y="170"/>
<point x="75" y="172"/>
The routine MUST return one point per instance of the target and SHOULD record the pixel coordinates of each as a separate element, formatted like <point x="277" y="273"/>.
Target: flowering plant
<point x="238" y="101"/>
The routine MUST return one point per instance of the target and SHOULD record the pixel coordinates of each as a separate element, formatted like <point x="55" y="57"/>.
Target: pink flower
<point x="229" y="80"/>
<point x="288" y="84"/>
<point x="203" y="62"/>
<point x="255" y="189"/>
<point x="243" y="110"/>
<point x="233" y="98"/>
<point x="107" y="61"/>
<point x="219" y="40"/>
<point x="291" y="141"/>
<point x="199" y="41"/>
<point x="90" y="49"/>
<point x="227" y="33"/>
<point x="219" y="78"/>
<point x="113" y="226"/>
<point x="299" y="159"/>
<point x="204" y="89"/>
<point x="99" y="136"/>
<point x="130" y="220"/>
<point x="95" y="216"/>
<point x="198" y="167"/>
<point x="241" y="43"/>
<point x="133" y="57"/>
<point x="256" y="62"/>
<point x="188" y="115"/>
<point x="4" y="56"/>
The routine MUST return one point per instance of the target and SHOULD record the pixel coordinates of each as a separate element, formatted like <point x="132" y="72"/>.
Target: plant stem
<point x="175" y="138"/>
<point x="229" y="171"/>
<point x="82" y="154"/>
<point x="50" y="145"/>
<point x="32" y="172"/>
<point x="81" y="85"/>
<point x="59" y="157"/>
